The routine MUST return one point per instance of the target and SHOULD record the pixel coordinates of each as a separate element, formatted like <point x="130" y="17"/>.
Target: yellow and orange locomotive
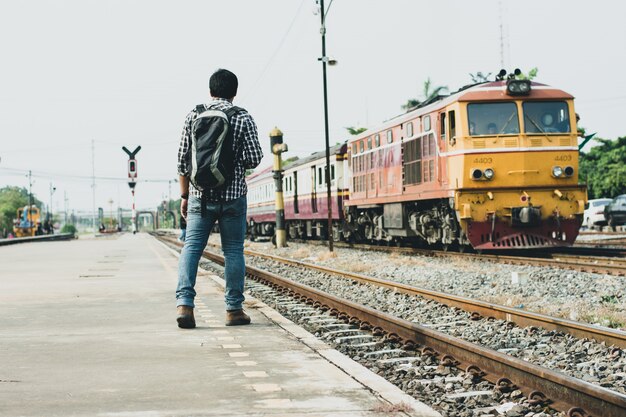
<point x="493" y="165"/>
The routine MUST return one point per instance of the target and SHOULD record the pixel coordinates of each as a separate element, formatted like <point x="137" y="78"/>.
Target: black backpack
<point x="213" y="156"/>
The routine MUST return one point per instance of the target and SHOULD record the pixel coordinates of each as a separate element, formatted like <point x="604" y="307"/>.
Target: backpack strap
<point x="230" y="112"/>
<point x="200" y="108"/>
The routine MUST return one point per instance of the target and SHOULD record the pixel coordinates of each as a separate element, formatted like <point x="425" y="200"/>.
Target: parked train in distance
<point x="492" y="166"/>
<point x="28" y="222"/>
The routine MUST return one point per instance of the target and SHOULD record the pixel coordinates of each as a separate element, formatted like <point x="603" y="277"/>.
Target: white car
<point x="594" y="212"/>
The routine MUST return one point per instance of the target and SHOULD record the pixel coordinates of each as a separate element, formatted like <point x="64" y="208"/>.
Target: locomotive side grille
<point x="510" y="143"/>
<point x="479" y="144"/>
<point x="535" y="141"/>
<point x="564" y="141"/>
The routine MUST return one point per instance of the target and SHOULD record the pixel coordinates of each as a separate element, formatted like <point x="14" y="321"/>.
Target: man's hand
<point x="183" y="207"/>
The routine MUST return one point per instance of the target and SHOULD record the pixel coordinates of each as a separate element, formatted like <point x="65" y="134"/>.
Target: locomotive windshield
<point x="492" y="118"/>
<point x="546" y="117"/>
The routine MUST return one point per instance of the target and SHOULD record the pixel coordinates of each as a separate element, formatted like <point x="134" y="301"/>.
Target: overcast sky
<point x="127" y="72"/>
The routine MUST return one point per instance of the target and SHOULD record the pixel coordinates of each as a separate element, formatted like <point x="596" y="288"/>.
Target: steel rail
<point x="482" y="308"/>
<point x="44" y="238"/>
<point x="561" y="392"/>
<point x="597" y="264"/>
<point x="477" y="307"/>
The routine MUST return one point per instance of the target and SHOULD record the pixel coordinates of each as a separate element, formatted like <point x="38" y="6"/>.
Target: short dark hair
<point x="223" y="84"/>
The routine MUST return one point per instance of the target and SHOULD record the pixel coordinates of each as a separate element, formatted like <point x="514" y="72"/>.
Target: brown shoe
<point x="236" y="318"/>
<point x="185" y="317"/>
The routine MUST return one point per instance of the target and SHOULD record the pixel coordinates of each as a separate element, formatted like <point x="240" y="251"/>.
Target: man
<point x="226" y="206"/>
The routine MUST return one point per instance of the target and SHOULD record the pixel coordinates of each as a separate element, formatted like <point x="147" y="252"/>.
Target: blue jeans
<point x="231" y="217"/>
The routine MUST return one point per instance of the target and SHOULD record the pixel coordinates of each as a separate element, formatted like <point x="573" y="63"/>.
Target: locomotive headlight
<point x="569" y="171"/>
<point x="477" y="174"/>
<point x="518" y="87"/>
<point x="489" y="173"/>
<point x="557" y="172"/>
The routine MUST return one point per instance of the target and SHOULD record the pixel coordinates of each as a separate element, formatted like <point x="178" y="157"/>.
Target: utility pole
<point x="93" y="186"/>
<point x="65" y="200"/>
<point x="50" y="211"/>
<point x="30" y="197"/>
<point x="324" y="60"/>
<point x="169" y="196"/>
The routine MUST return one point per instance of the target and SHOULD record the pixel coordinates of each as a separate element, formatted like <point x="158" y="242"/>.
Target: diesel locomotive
<point x="491" y="166"/>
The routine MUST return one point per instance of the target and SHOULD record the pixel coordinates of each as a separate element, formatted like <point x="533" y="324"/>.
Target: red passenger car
<point x="305" y="197"/>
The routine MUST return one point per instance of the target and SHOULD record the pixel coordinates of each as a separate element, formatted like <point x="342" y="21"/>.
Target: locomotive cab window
<point x="546" y="117"/>
<point x="452" y="124"/>
<point x="492" y="119"/>
<point x="442" y="119"/>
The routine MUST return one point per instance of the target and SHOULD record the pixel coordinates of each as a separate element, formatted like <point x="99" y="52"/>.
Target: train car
<point x="305" y="197"/>
<point x="493" y="165"/>
<point x="28" y="222"/>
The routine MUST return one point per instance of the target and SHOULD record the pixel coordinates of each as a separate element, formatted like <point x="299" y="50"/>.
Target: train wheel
<point x="336" y="234"/>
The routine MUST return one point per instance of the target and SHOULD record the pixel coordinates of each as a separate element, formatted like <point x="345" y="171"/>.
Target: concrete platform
<point x="87" y="327"/>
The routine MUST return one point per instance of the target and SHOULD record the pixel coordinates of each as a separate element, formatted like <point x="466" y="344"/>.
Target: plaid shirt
<point x="245" y="135"/>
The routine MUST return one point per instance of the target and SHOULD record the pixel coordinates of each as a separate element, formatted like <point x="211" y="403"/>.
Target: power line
<point x="251" y="91"/>
<point x="44" y="174"/>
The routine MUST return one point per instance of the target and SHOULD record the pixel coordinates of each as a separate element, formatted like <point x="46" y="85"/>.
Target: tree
<point x="290" y="161"/>
<point x="428" y="92"/>
<point x="604" y="168"/>
<point x="356" y="130"/>
<point x="480" y="77"/>
<point x="531" y="74"/>
<point x="12" y="198"/>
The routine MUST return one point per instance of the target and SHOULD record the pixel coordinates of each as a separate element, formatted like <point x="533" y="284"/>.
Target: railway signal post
<point x="278" y="147"/>
<point x="132" y="175"/>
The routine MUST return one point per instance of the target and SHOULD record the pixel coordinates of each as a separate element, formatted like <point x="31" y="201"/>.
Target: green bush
<point x="68" y="228"/>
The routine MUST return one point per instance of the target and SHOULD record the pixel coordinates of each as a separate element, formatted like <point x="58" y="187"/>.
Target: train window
<point x="377" y="140"/>
<point x="361" y="146"/>
<point x="426" y="123"/>
<point x="546" y="117"/>
<point x="354" y="148"/>
<point x="442" y="120"/>
<point x="431" y="140"/>
<point x="332" y="172"/>
<point x="320" y="179"/>
<point x="492" y="118"/>
<point x="452" y="123"/>
<point x="389" y="136"/>
<point x="409" y="129"/>
<point x="369" y="143"/>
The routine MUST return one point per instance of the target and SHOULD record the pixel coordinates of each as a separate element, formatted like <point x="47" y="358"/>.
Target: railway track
<point x="476" y="307"/>
<point x="541" y="385"/>
<point x="583" y="259"/>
